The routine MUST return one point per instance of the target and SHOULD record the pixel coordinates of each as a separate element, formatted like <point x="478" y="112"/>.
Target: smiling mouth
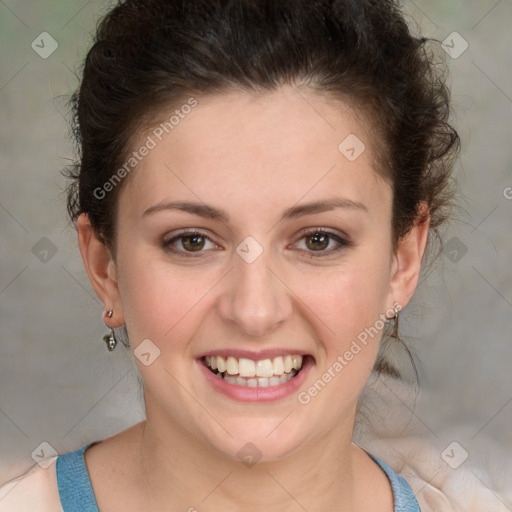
<point x="255" y="374"/>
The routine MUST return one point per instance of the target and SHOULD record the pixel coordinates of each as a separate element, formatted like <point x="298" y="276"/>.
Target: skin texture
<point x="253" y="156"/>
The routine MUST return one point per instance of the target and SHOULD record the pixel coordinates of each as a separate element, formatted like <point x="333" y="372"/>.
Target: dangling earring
<point x="109" y="338"/>
<point x="394" y="334"/>
<point x="397" y="307"/>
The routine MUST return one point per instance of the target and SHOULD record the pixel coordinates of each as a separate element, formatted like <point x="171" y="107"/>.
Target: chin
<point x="258" y="440"/>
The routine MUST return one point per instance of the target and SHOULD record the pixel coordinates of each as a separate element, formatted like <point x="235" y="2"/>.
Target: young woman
<point x="257" y="183"/>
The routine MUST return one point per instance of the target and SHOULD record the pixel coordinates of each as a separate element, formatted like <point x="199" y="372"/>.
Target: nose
<point x="255" y="299"/>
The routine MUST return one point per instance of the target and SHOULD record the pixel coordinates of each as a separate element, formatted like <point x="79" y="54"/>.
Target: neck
<point x="317" y="476"/>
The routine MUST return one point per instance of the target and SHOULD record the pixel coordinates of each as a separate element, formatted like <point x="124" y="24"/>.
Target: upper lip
<point x="255" y="355"/>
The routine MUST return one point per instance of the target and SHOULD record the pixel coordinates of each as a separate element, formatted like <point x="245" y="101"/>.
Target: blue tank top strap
<point x="75" y="490"/>
<point x="405" y="500"/>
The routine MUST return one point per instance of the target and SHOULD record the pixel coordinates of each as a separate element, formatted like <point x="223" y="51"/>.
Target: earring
<point x="110" y="338"/>
<point x="386" y="367"/>
<point x="396" y="308"/>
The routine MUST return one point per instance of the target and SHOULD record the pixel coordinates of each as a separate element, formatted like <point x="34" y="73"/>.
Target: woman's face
<point x="249" y="235"/>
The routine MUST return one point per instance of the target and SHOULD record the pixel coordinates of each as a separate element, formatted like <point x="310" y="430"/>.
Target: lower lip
<point x="266" y="394"/>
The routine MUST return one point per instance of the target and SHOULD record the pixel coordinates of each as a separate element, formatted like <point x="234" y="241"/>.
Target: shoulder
<point x="39" y="489"/>
<point x="36" y="490"/>
<point x="394" y="431"/>
<point x="437" y="486"/>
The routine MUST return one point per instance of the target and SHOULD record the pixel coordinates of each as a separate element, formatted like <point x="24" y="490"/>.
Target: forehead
<point x="284" y="144"/>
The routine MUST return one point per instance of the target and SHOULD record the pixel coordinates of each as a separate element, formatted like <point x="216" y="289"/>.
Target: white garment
<point x="36" y="491"/>
<point x="394" y="426"/>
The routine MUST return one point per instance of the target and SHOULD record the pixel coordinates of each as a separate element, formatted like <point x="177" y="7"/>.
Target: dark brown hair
<point x="148" y="55"/>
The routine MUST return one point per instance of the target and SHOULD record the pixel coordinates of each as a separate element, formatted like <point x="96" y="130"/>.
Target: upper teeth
<point x="250" y="368"/>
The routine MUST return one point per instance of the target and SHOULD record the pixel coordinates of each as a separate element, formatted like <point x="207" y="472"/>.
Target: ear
<point x="407" y="260"/>
<point x="101" y="269"/>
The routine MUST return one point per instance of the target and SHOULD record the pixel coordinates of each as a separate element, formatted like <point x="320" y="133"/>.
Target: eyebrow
<point x="210" y="212"/>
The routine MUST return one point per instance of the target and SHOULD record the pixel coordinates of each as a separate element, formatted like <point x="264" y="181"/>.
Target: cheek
<point x="349" y="299"/>
<point x="349" y="324"/>
<point x="158" y="298"/>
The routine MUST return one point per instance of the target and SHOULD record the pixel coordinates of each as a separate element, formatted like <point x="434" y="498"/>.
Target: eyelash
<point x="343" y="242"/>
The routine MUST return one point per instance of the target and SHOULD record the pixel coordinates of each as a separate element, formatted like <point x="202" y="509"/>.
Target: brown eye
<point x="193" y="242"/>
<point x="189" y="243"/>
<point x="317" y="241"/>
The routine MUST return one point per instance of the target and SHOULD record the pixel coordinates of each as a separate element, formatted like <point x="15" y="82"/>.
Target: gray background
<point x="57" y="381"/>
